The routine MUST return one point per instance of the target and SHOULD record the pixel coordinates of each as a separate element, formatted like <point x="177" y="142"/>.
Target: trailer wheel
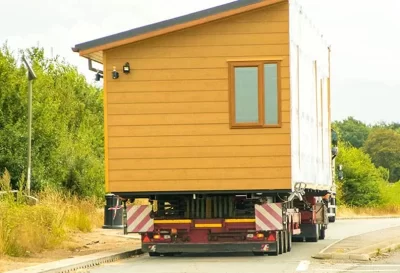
<point x="281" y="242"/>
<point x="322" y="233"/>
<point x="276" y="252"/>
<point x="315" y="236"/>
<point x="154" y="254"/>
<point x="289" y="241"/>
<point x="285" y="241"/>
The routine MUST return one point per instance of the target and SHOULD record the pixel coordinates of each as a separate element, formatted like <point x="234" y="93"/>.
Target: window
<point x="254" y="94"/>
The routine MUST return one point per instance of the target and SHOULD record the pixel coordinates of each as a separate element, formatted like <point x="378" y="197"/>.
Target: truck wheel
<point x="289" y="241"/>
<point x="315" y="236"/>
<point x="332" y="219"/>
<point x="322" y="233"/>
<point x="281" y="242"/>
<point x="258" y="253"/>
<point x="154" y="254"/>
<point x="276" y="252"/>
<point x="285" y="241"/>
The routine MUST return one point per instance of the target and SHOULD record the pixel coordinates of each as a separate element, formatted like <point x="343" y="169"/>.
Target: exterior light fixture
<point x="115" y="74"/>
<point x="126" y="68"/>
<point x="98" y="76"/>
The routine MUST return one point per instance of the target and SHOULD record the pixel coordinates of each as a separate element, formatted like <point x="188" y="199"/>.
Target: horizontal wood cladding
<point x="175" y="97"/>
<point x="174" y="86"/>
<point x="175" y="108"/>
<point x="201" y="51"/>
<point x="200" y="152"/>
<point x="186" y="74"/>
<point x="168" y="120"/>
<point x="240" y="184"/>
<point x="192" y="141"/>
<point x="173" y="119"/>
<point x="199" y="163"/>
<point x="187" y="63"/>
<point x="189" y="130"/>
<point x="194" y="174"/>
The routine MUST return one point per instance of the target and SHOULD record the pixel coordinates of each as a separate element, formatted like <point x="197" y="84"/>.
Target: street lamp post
<point x="31" y="77"/>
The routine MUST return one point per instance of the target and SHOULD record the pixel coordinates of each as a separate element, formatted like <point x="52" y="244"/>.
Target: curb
<point x="366" y="254"/>
<point x="354" y="256"/>
<point x="80" y="263"/>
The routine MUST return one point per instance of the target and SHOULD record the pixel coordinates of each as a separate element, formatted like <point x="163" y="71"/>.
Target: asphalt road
<point x="299" y="260"/>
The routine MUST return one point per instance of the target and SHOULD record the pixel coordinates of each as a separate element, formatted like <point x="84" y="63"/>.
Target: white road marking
<point x="379" y="265"/>
<point x="303" y="266"/>
<point x="354" y="270"/>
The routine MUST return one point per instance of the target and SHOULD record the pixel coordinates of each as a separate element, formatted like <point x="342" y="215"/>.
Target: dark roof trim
<point x="164" y="24"/>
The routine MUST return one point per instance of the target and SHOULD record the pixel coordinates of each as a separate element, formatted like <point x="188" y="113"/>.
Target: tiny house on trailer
<point x="221" y="119"/>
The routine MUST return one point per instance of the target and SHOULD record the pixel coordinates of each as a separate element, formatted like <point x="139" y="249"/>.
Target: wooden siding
<point x="168" y="120"/>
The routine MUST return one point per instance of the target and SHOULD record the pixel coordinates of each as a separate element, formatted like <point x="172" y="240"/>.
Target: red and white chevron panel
<point x="269" y="216"/>
<point x="139" y="220"/>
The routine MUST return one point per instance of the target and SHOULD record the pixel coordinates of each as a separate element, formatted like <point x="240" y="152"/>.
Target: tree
<point x="383" y="145"/>
<point x="362" y="180"/>
<point x="352" y="131"/>
<point x="67" y="128"/>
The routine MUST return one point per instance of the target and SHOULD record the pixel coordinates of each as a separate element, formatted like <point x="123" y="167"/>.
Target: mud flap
<point x="321" y="213"/>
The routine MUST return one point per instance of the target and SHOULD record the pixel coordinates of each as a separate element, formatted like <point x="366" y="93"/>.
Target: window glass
<point x="246" y="94"/>
<point x="271" y="94"/>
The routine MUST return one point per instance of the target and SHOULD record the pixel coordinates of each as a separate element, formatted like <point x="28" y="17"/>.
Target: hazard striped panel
<point x="269" y="216"/>
<point x="139" y="220"/>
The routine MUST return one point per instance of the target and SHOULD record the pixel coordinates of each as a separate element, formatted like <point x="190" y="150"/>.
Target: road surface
<point x="299" y="260"/>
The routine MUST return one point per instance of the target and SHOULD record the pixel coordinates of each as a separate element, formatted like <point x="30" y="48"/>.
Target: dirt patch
<point x="79" y="244"/>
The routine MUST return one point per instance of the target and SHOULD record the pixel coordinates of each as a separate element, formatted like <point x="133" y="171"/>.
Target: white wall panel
<point x="309" y="101"/>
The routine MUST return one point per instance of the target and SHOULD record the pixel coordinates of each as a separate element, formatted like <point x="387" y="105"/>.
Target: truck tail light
<point x="260" y="236"/>
<point x="156" y="236"/>
<point x="255" y="236"/>
<point x="146" y="239"/>
<point x="271" y="237"/>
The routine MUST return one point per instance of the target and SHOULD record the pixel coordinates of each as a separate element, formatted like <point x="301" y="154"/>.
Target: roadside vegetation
<point x="67" y="153"/>
<point x="27" y="228"/>
<point x="370" y="156"/>
<point x="67" y="157"/>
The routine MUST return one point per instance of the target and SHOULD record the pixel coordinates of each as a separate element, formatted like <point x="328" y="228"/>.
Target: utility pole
<point x="31" y="77"/>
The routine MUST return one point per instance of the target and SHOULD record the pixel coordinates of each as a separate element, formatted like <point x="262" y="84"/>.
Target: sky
<point x="363" y="34"/>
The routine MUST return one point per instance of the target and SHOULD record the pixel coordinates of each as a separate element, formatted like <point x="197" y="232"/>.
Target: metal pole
<point x="124" y="219"/>
<point x="31" y="77"/>
<point x="28" y="182"/>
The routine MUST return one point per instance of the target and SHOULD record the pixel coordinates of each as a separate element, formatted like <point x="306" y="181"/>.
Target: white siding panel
<point x="311" y="156"/>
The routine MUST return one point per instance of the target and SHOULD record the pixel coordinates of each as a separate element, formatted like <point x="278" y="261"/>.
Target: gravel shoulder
<point x="79" y="244"/>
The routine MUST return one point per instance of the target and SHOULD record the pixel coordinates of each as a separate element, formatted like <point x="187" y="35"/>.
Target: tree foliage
<point x="67" y="124"/>
<point x="361" y="184"/>
<point x="383" y="145"/>
<point x="352" y="131"/>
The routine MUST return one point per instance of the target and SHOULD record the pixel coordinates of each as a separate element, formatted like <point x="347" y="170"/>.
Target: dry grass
<point x="386" y="210"/>
<point x="26" y="229"/>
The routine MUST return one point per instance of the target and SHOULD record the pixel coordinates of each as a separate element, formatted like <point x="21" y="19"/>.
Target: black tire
<point x="298" y="239"/>
<point x="281" y="243"/>
<point x="322" y="233"/>
<point x="258" y="253"/>
<point x="314" y="238"/>
<point x="285" y="241"/>
<point x="276" y="252"/>
<point x="154" y="254"/>
<point x="332" y="219"/>
<point x="289" y="242"/>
